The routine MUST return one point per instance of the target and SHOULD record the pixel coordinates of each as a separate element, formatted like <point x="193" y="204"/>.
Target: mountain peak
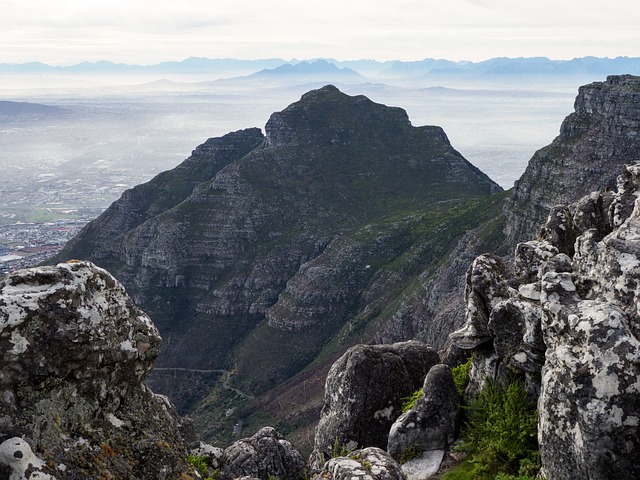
<point x="327" y="114"/>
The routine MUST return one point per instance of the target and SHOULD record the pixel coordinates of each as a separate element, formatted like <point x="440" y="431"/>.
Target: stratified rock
<point x="312" y="235"/>
<point x="367" y="464"/>
<point x="364" y="392"/>
<point x="266" y="454"/>
<point x="595" y="142"/>
<point x="75" y="354"/>
<point x="431" y="423"/>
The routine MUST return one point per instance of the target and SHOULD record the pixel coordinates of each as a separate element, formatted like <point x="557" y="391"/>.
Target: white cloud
<point x="145" y="31"/>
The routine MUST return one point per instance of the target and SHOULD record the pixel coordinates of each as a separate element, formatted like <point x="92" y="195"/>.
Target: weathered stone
<point x="75" y="354"/>
<point x="487" y="284"/>
<point x="431" y="423"/>
<point x="594" y="143"/>
<point x="265" y="454"/>
<point x="517" y="336"/>
<point x="529" y="258"/>
<point x="559" y="229"/>
<point x="364" y="392"/>
<point x="211" y="455"/>
<point x="367" y="464"/>
<point x="423" y="466"/>
<point x="590" y="400"/>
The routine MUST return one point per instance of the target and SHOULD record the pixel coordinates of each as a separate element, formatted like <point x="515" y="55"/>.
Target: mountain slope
<point x="266" y="256"/>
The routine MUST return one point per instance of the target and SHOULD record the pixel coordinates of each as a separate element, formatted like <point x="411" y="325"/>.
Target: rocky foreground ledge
<point x="73" y="402"/>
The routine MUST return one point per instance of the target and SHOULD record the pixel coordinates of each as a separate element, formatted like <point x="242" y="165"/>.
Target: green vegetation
<point x="461" y="375"/>
<point x="409" y="454"/>
<point x="410" y="401"/>
<point x="340" y="449"/>
<point x="200" y="464"/>
<point x="500" y="436"/>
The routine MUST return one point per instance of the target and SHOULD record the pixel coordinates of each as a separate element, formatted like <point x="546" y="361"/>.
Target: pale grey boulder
<point x="367" y="464"/>
<point x="432" y="421"/>
<point x="265" y="454"/>
<point x="364" y="394"/>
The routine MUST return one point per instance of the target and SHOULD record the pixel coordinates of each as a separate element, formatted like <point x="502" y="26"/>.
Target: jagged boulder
<point x="364" y="392"/>
<point x="367" y="464"/>
<point x="590" y="400"/>
<point x="75" y="354"/>
<point x="431" y="423"/>
<point x="266" y="454"/>
<point x="571" y="327"/>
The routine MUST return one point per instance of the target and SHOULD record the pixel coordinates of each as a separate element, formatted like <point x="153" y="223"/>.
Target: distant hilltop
<point x="372" y="68"/>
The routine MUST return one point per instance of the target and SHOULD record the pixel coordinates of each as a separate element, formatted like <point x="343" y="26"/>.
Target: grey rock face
<point x="364" y="391"/>
<point x="594" y="143"/>
<point x="75" y="354"/>
<point x="265" y="454"/>
<point x="590" y="399"/>
<point x="570" y="326"/>
<point x="367" y="464"/>
<point x="431" y="423"/>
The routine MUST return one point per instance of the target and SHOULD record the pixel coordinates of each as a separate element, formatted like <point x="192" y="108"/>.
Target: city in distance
<point x="87" y="133"/>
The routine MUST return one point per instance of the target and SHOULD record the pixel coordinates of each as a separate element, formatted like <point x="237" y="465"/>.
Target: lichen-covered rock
<point x="364" y="392"/>
<point x="75" y="354"/>
<point x="431" y="423"/>
<point x="487" y="284"/>
<point x="266" y="454"/>
<point x="367" y="464"/>
<point x="571" y="327"/>
<point x="211" y="455"/>
<point x="590" y="400"/>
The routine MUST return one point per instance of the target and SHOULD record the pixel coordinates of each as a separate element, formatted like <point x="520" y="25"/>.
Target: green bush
<point x="461" y="375"/>
<point x="200" y="464"/>
<point x="409" y="402"/>
<point x="500" y="435"/>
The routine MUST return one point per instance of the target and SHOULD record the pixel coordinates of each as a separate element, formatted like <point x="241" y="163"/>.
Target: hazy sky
<point x="63" y="32"/>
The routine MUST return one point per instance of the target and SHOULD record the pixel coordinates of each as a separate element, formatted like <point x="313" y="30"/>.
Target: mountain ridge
<point x="336" y="194"/>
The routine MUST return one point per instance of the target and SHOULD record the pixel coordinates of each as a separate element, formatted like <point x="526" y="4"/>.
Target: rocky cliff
<point x="594" y="143"/>
<point x="566" y="319"/>
<point x="259" y="256"/>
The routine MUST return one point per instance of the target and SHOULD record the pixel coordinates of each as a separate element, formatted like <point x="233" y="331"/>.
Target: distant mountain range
<point x="17" y="109"/>
<point x="370" y="68"/>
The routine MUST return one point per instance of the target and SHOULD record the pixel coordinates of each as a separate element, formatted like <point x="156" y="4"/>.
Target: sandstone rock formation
<point x="75" y="355"/>
<point x="594" y="143"/>
<point x="364" y="392"/>
<point x="265" y="455"/>
<point x="570" y="325"/>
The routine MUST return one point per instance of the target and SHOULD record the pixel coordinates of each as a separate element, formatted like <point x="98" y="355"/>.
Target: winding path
<point x="226" y="374"/>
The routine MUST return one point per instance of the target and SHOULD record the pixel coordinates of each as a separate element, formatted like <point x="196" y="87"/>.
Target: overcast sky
<point x="64" y="32"/>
